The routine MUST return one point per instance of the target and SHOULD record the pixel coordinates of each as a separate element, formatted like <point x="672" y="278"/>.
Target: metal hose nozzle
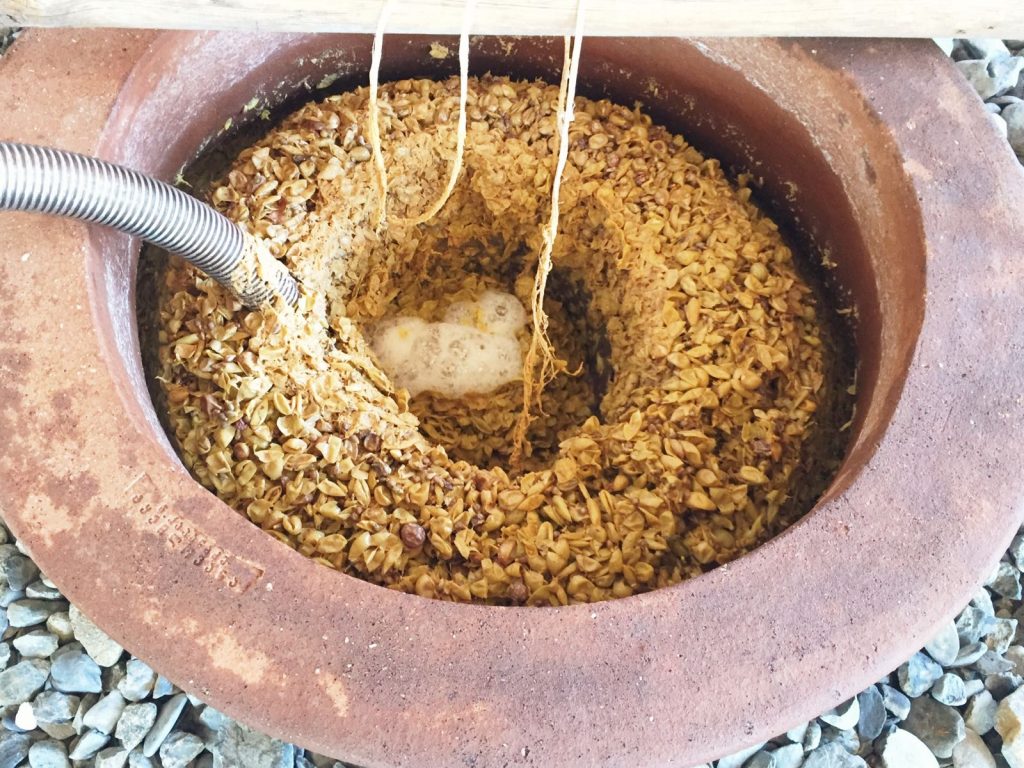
<point x="68" y="184"/>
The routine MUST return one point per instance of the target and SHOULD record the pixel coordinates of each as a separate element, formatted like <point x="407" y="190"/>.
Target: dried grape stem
<point x="539" y="364"/>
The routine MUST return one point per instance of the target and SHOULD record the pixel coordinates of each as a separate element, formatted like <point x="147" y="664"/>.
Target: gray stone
<point x="237" y="745"/>
<point x="796" y="734"/>
<point x="48" y="754"/>
<point x="111" y="757"/>
<point x="138" y="680"/>
<point x="1005" y="72"/>
<point x="138" y="760"/>
<point x="20" y="682"/>
<point x="35" y="645"/>
<point x="212" y="719"/>
<point x="918" y="674"/>
<point x="982" y="600"/>
<point x="58" y="731"/>
<point x="846" y="738"/>
<point x="54" y="707"/>
<point x="976" y="72"/>
<point x="97" y="644"/>
<point x="25" y="719"/>
<point x="87" y="702"/>
<point x="179" y="749"/>
<point x="1010" y="726"/>
<point x="949" y="689"/>
<point x="872" y="714"/>
<point x="984" y="47"/>
<point x="992" y="109"/>
<point x="169" y="713"/>
<point x="735" y="760"/>
<point x="9" y="722"/>
<point x="760" y="760"/>
<point x="992" y="663"/>
<point x="973" y="623"/>
<point x="844" y="716"/>
<point x="88" y="744"/>
<point x="134" y="723"/>
<point x="1015" y="655"/>
<point x="812" y="738"/>
<point x="969" y="654"/>
<point x="1016" y="550"/>
<point x="105" y="713"/>
<point x="895" y="701"/>
<point x="1001" y="635"/>
<point x="789" y="756"/>
<point x="75" y="672"/>
<point x="13" y="749"/>
<point x="1004" y="684"/>
<point x="973" y="687"/>
<point x="19" y="572"/>
<point x="940" y="727"/>
<point x="163" y="687"/>
<point x="972" y="753"/>
<point x="39" y="590"/>
<point x="833" y="756"/>
<point x="945" y="645"/>
<point x="28" y="613"/>
<point x="5" y="655"/>
<point x="904" y="750"/>
<point x="60" y="624"/>
<point x="1013" y="114"/>
<point x="9" y="596"/>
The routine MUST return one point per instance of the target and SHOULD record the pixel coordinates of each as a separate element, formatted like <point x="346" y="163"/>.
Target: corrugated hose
<point x="68" y="184"/>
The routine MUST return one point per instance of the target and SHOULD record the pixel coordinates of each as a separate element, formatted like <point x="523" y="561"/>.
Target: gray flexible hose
<point x="68" y="184"/>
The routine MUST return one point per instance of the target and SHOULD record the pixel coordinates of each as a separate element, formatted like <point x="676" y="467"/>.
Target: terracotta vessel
<point x="900" y="180"/>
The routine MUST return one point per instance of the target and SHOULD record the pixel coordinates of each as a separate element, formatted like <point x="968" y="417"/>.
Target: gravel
<point x="74" y="672"/>
<point x="138" y="680"/>
<point x="101" y="648"/>
<point x="48" y="754"/>
<point x="902" y="749"/>
<point x="958" y="702"/>
<point x="918" y="674"/>
<point x="939" y="726"/>
<point x="995" y="68"/>
<point x="872" y="714"/>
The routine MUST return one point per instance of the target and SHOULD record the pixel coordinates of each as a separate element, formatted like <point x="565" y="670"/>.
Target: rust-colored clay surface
<point x="901" y="180"/>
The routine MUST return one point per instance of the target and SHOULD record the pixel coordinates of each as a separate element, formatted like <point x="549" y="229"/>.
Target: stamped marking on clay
<point x="189" y="542"/>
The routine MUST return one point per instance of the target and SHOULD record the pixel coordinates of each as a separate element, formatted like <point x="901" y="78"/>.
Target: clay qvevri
<point x="905" y="186"/>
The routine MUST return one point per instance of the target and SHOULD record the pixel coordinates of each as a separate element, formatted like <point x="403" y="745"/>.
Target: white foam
<point x="494" y="312"/>
<point x="474" y="349"/>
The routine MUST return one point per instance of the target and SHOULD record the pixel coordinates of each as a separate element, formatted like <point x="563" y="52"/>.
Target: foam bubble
<point x="494" y="312"/>
<point x="474" y="349"/>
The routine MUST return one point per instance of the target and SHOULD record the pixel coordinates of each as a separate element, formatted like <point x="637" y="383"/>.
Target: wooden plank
<point x="845" y="18"/>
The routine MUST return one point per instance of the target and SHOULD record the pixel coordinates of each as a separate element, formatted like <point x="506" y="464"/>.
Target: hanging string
<point x="374" y="126"/>
<point x="460" y="136"/>
<point x="540" y="364"/>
